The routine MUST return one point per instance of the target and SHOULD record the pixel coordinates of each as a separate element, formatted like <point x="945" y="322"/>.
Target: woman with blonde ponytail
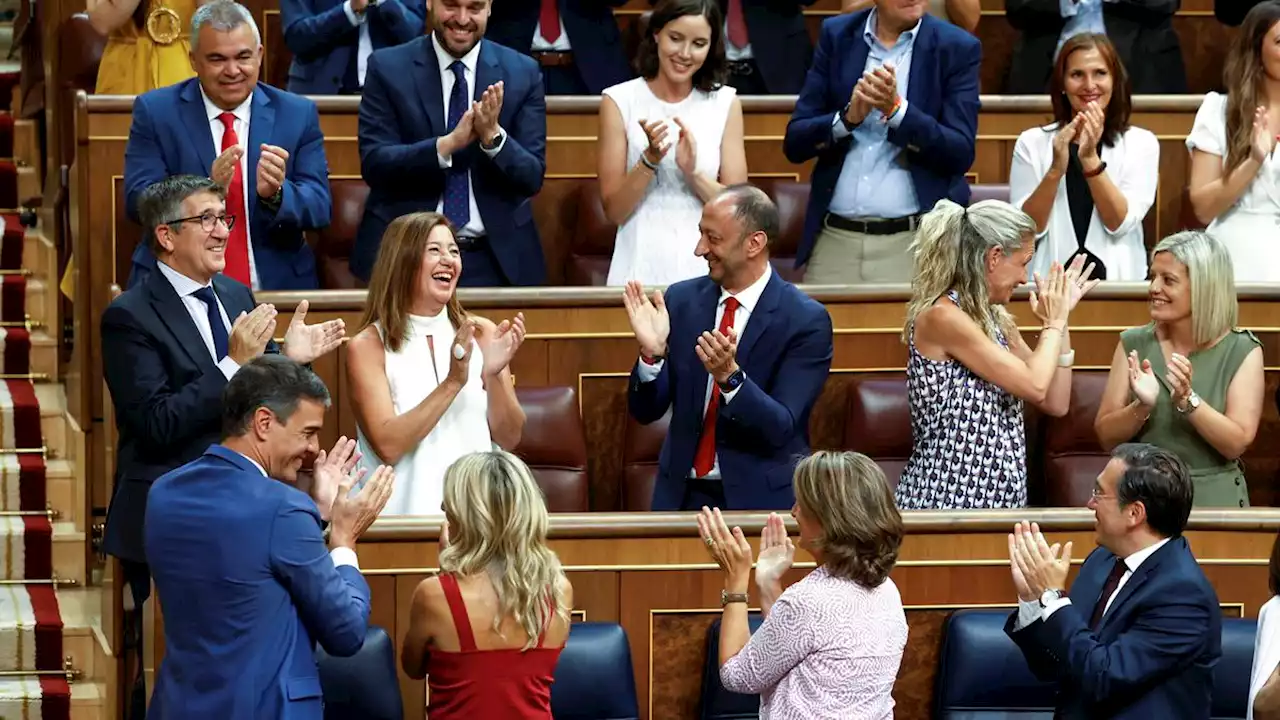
<point x="969" y="370"/>
<point x="488" y="630"/>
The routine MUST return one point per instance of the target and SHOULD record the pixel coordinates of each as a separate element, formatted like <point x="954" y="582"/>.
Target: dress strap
<point x="458" y="609"/>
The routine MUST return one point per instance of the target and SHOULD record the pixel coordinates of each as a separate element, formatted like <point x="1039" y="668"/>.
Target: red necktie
<point x="705" y="458"/>
<point x="238" y="241"/>
<point x="737" y="24"/>
<point x="1108" y="589"/>
<point x="549" y="20"/>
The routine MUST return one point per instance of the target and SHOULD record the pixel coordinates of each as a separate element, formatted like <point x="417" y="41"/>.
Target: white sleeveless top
<point x="462" y="429"/>
<point x="655" y="245"/>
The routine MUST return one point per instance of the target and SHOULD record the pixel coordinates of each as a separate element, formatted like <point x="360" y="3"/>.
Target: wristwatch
<point x="497" y="140"/>
<point x="727" y="597"/>
<point x="733" y="382"/>
<point x="844" y="118"/>
<point x="1049" y="596"/>
<point x="1192" y="403"/>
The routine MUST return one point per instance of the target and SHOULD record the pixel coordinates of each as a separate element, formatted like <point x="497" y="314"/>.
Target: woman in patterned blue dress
<point x="969" y="369"/>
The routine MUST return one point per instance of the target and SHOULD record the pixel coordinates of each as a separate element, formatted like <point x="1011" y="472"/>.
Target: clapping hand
<point x="353" y="514"/>
<point x="1093" y="124"/>
<point x="1043" y="567"/>
<point x="776" y="552"/>
<point x="304" y="343"/>
<point x="1051" y="301"/>
<point x="250" y="333"/>
<point x="1263" y="139"/>
<point x="686" y="150"/>
<point x="271" y="170"/>
<point x="649" y="319"/>
<point x="1179" y="379"/>
<point x="1142" y="381"/>
<point x="1062" y="140"/>
<point x="329" y="472"/>
<point x="730" y="550"/>
<point x="460" y="353"/>
<point x="718" y="353"/>
<point x="499" y="345"/>
<point x="879" y="87"/>
<point x="486" y="111"/>
<point x="656" y="131"/>
<point x="1079" y="280"/>
<point x="224" y="166"/>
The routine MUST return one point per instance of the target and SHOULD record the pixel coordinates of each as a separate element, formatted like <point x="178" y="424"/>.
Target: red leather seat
<point x="554" y="446"/>
<point x="641" y="447"/>
<point x="1072" y="456"/>
<point x="878" y="422"/>
<point x="334" y="243"/>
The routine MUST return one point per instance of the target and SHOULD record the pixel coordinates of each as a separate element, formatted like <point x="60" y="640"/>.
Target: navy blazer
<point x="402" y="113"/>
<point x="247" y="588"/>
<point x="323" y="40"/>
<point x="593" y="34"/>
<point x="938" y="131"/>
<point x="166" y="391"/>
<point x="170" y="135"/>
<point x="764" y="431"/>
<point x="1154" y="651"/>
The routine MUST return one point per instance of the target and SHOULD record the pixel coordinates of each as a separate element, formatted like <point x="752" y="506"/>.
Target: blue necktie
<point x="457" y="200"/>
<point x="216" y="326"/>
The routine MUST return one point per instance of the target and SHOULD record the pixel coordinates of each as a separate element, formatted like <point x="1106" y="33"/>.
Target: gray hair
<point x="223" y="16"/>
<point x="270" y="381"/>
<point x="949" y="253"/>
<point x="1212" y="275"/>
<point x="754" y="210"/>
<point x="161" y="203"/>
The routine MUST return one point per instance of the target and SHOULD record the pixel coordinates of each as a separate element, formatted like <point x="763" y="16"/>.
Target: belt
<point x="164" y="26"/>
<point x="553" y="58"/>
<point x="742" y="67"/>
<point x="471" y="244"/>
<point x="874" y="227"/>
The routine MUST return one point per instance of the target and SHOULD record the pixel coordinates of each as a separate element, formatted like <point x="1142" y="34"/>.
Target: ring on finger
<point x="710" y="543"/>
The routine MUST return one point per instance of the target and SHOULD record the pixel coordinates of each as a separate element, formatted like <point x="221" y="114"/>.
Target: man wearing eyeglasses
<point x="169" y="346"/>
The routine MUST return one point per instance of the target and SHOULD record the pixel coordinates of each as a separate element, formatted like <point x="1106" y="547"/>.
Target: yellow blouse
<point x="137" y="60"/>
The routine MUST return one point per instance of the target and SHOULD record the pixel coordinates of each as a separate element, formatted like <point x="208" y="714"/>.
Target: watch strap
<point x="727" y="597"/>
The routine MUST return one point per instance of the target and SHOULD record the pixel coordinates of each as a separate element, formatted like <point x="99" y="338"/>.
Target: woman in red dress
<point x="488" y="630"/>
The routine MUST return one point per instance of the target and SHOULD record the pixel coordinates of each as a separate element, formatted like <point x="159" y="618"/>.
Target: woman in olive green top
<point x="1189" y="381"/>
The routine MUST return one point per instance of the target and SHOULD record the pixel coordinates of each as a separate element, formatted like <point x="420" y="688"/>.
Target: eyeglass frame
<point x="227" y="219"/>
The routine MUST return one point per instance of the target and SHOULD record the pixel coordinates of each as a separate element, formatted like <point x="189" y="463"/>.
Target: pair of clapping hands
<point x="303" y="343"/>
<point x="479" y="122"/>
<point x="333" y="475"/>
<point x="1145" y="386"/>
<point x="686" y="144"/>
<point x="499" y="345"/>
<point x="732" y="552"/>
<point x="877" y="89"/>
<point x="270" y="173"/>
<point x="1086" y="130"/>
<point x="651" y="325"/>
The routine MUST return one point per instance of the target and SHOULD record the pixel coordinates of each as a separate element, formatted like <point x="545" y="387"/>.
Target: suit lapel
<point x="430" y="91"/>
<point x="704" y="319"/>
<point x="196" y="120"/>
<point x="262" y="123"/>
<point x="1138" y="578"/>
<point x="230" y="295"/>
<point x="173" y="313"/>
<point x="487" y="72"/>
<point x="761" y="317"/>
<point x="921" y="80"/>
<point x="858" y="51"/>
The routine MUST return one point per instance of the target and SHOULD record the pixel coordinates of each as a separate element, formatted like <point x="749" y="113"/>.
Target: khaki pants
<point x="841" y="257"/>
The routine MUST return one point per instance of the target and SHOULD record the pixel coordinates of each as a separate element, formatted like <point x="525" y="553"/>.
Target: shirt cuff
<point x="838" y="129"/>
<point x="726" y="397"/>
<point x="896" y="120"/>
<point x="1028" y="613"/>
<point x="648" y="373"/>
<point x="228" y="366"/>
<point x="1054" y="606"/>
<point x="445" y="162"/>
<point x="356" y="20"/>
<point x="502" y="140"/>
<point x="1068" y="8"/>
<point x="344" y="556"/>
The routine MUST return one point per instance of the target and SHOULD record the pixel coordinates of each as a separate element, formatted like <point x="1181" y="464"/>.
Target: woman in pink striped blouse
<point x="830" y="644"/>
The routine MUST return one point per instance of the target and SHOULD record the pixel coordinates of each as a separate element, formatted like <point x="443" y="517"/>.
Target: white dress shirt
<point x="1029" y="610"/>
<point x="1133" y="164"/>
<point x="747" y="301"/>
<point x="475" y="226"/>
<point x="541" y="44"/>
<point x="732" y="52"/>
<point x="340" y="555"/>
<point x="365" y="46"/>
<point x="199" y="312"/>
<point x="249" y="181"/>
<point x="1266" y="649"/>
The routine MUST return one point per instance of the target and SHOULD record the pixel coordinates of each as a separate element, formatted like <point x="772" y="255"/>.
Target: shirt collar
<point x="1136" y="559"/>
<point x="750" y="295"/>
<point x="869" y="33"/>
<point x="182" y="284"/>
<point x="255" y="462"/>
<point x="445" y="59"/>
<point x="213" y="111"/>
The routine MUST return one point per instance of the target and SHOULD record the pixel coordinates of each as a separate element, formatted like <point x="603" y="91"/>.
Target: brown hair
<point x="714" y="69"/>
<point x="1244" y="78"/>
<point x="1121" y="105"/>
<point x="394" y="281"/>
<point x="847" y="494"/>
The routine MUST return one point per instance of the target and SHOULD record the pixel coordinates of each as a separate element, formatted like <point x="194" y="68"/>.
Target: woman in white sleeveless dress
<point x="429" y="382"/>
<point x="1235" y="174"/>
<point x="669" y="141"/>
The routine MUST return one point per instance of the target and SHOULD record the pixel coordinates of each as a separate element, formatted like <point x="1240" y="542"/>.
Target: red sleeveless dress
<point x="472" y="684"/>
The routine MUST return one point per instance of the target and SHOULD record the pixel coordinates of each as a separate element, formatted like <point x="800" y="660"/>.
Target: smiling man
<point x="261" y="144"/>
<point x="456" y="124"/>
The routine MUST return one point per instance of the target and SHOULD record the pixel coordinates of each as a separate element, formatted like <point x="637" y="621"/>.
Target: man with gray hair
<point x="261" y="144"/>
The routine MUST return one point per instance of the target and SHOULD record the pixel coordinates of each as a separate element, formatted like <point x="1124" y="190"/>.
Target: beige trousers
<point x="841" y="257"/>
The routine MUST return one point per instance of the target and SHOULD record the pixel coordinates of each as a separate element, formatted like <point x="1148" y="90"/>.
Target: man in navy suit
<point x="1141" y="631"/>
<point x="576" y="42"/>
<point x="247" y="583"/>
<point x="264" y="145"/>
<point x="331" y="40"/>
<point x="890" y="109"/>
<point x="739" y="357"/>
<point x="169" y="346"/>
<point x="456" y="124"/>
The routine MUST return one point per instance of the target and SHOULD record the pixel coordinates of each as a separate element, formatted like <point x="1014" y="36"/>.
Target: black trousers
<point x="138" y="578"/>
<point x="699" y="492"/>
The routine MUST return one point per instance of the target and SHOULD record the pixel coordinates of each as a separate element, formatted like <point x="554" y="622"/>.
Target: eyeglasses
<point x="208" y="221"/>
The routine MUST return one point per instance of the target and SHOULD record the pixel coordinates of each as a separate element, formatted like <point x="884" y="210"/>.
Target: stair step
<point x="44" y="354"/>
<point x="53" y="421"/>
<point x="80" y="608"/>
<point x="42" y="298"/>
<point x="89" y="701"/>
<point x="28" y="181"/>
<point x="26" y="143"/>
<point x="65" y="491"/>
<point x="40" y="256"/>
<point x="68" y="551"/>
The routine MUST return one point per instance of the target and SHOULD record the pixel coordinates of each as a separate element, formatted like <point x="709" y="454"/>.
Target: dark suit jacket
<point x="593" y="34"/>
<point x="763" y="432"/>
<point x="323" y="40"/>
<point x="166" y="391"/>
<point x="247" y="588"/>
<point x="1141" y="30"/>
<point x="939" y="128"/>
<point x="1154" y="651"/>
<point x="402" y="113"/>
<point x="171" y="136"/>
<point x="1232" y="12"/>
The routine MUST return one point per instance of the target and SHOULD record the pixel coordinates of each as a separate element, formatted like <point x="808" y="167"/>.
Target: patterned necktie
<point x="705" y="458"/>
<point x="457" y="200"/>
<point x="216" y="326"/>
<point x="1108" y="589"/>
<point x="238" y="239"/>
<point x="549" y="20"/>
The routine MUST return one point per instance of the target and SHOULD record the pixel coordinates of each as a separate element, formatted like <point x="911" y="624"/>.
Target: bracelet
<point x="897" y="105"/>
<point x="644" y="159"/>
<point x="1047" y="328"/>
<point x="1067" y="359"/>
<point x="1096" y="171"/>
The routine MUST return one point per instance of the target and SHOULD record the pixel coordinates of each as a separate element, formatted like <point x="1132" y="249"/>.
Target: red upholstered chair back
<point x="640" y="450"/>
<point x="978" y="193"/>
<point x="1072" y="456"/>
<point x="334" y="243"/>
<point x="792" y="199"/>
<point x="554" y="446"/>
<point x="878" y="422"/>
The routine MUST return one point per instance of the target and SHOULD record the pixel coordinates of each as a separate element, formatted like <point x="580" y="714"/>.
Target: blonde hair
<point x="498" y="525"/>
<point x="950" y="251"/>
<point x="849" y="497"/>
<point x="1214" y="309"/>
<point x="394" y="280"/>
